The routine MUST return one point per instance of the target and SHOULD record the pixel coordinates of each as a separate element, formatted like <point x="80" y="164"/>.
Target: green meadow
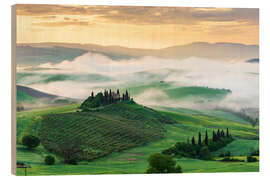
<point x="134" y="159"/>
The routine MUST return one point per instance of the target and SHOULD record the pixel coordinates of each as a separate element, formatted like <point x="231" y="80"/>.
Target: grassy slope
<point x="25" y="119"/>
<point x="134" y="160"/>
<point x="213" y="113"/>
<point x="22" y="97"/>
<point x="37" y="78"/>
<point x="196" y="92"/>
<point x="110" y="129"/>
<point x="240" y="147"/>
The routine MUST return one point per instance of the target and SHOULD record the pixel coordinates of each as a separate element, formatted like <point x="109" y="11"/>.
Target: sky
<point x="136" y="26"/>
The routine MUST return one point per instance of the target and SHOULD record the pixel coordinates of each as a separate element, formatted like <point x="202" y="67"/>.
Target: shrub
<point x="30" y="141"/>
<point x="255" y="152"/>
<point x="160" y="163"/>
<point x="228" y="159"/>
<point x="222" y="155"/>
<point x="251" y="159"/>
<point x="70" y="161"/>
<point x="228" y="154"/>
<point x="49" y="160"/>
<point x="205" y="153"/>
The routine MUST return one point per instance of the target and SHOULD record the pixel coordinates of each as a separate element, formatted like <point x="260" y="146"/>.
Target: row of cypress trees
<point x="110" y="96"/>
<point x="216" y="136"/>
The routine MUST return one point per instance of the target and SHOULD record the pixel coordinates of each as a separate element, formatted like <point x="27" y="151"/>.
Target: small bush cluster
<point x="30" y="141"/>
<point x="227" y="154"/>
<point x="49" y="160"/>
<point x="160" y="163"/>
<point x="255" y="152"/>
<point x="251" y="159"/>
<point x="70" y="161"/>
<point x="229" y="159"/>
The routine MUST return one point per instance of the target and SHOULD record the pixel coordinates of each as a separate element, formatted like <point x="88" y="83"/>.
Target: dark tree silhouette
<point x="193" y="140"/>
<point x="218" y="134"/>
<point x="127" y="97"/>
<point x="227" y="133"/>
<point x="106" y="95"/>
<point x="92" y="95"/>
<point x="214" y="136"/>
<point x="222" y="134"/>
<point x="200" y="139"/>
<point x="206" y="138"/>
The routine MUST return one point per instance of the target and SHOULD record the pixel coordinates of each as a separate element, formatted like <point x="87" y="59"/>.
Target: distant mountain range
<point x="37" y="53"/>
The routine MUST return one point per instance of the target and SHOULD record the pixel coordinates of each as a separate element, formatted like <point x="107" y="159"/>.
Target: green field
<point x="22" y="97"/>
<point x="134" y="160"/>
<point x="240" y="147"/>
<point x="116" y="127"/>
<point x="191" y="92"/>
<point x="36" y="78"/>
<point x="198" y="93"/>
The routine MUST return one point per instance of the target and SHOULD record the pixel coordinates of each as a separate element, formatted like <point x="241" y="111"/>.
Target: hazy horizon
<point x="136" y="26"/>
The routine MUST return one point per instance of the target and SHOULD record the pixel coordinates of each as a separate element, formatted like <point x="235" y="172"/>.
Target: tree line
<point x="104" y="98"/>
<point x="202" y="147"/>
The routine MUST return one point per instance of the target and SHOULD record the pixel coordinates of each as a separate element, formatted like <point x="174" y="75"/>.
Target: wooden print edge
<point x="13" y="89"/>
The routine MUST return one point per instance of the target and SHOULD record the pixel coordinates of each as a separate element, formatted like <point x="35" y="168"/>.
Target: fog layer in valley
<point x="240" y="77"/>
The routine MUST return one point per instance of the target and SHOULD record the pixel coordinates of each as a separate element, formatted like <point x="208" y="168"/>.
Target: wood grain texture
<point x="13" y="89"/>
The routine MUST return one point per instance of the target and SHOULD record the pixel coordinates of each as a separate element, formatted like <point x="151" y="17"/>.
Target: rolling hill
<point x="31" y="98"/>
<point x="94" y="134"/>
<point x="28" y="55"/>
<point x="29" y="78"/>
<point x="197" y="92"/>
<point x="35" y="93"/>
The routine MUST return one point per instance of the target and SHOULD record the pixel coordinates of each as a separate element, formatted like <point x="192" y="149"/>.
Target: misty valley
<point x="109" y="110"/>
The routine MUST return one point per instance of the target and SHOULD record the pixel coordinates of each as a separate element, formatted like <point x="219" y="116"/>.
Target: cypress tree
<point x="127" y="97"/>
<point x="106" y="95"/>
<point x="200" y="139"/>
<point x="206" y="138"/>
<point x="110" y="96"/>
<point x="227" y="133"/>
<point x="101" y="97"/>
<point x="193" y="140"/>
<point x="92" y="95"/>
<point x="118" y="92"/>
<point x="218" y="134"/>
<point x="123" y="97"/>
<point x="222" y="133"/>
<point x="214" y="136"/>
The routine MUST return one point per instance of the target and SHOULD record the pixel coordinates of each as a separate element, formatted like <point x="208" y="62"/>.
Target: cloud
<point x="63" y="23"/>
<point x="146" y="14"/>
